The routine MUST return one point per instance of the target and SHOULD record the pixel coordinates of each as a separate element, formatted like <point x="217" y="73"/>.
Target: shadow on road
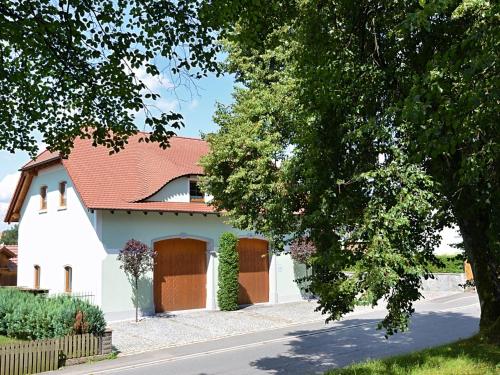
<point x="315" y="353"/>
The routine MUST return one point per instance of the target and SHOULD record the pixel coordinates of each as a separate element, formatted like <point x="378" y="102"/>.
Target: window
<point x="36" y="283"/>
<point x="62" y="194"/>
<point x="195" y="194"/>
<point x="43" y="198"/>
<point x="68" y="279"/>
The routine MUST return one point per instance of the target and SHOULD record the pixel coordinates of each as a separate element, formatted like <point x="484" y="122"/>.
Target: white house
<point x="76" y="214"/>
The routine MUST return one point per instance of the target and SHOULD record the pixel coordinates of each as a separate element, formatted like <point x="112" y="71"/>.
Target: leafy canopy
<point x="366" y="127"/>
<point x="9" y="236"/>
<point x="75" y="68"/>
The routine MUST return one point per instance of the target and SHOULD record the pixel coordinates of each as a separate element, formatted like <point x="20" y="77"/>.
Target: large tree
<point x="9" y="236"/>
<point x="366" y="126"/>
<point x="72" y="68"/>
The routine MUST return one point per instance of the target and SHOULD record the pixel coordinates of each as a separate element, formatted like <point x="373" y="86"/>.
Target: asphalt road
<point x="304" y="349"/>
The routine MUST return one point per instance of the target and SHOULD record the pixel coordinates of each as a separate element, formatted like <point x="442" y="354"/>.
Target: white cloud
<point x="194" y="104"/>
<point x="3" y="211"/>
<point x="7" y="187"/>
<point x="165" y="105"/>
<point x="153" y="83"/>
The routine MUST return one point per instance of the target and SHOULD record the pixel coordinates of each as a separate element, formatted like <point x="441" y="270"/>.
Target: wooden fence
<point x="44" y="355"/>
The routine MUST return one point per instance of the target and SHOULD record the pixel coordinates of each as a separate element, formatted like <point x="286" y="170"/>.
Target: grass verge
<point x="474" y="356"/>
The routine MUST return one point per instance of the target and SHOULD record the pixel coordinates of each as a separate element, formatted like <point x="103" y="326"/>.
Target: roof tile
<point x="122" y="181"/>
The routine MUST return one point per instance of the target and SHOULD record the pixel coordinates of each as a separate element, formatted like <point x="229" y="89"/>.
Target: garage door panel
<point x="180" y="275"/>
<point x="254" y="271"/>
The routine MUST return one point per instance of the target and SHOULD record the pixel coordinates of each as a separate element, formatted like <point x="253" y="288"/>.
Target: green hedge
<point x="30" y="317"/>
<point x="229" y="268"/>
<point x="452" y="264"/>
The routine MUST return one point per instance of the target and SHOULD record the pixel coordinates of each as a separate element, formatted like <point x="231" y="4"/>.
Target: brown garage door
<point x="180" y="275"/>
<point x="254" y="271"/>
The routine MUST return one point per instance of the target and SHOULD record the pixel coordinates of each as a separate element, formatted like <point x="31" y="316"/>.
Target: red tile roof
<point x="11" y="252"/>
<point x="124" y="180"/>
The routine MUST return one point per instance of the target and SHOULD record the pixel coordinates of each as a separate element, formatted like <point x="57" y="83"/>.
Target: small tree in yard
<point x="229" y="268"/>
<point x="137" y="259"/>
<point x="302" y="249"/>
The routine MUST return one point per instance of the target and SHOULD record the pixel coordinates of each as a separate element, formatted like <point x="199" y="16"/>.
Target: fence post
<point x="107" y="347"/>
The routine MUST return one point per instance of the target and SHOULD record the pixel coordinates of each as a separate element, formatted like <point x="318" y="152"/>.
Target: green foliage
<point x="9" y="236"/>
<point x="27" y="316"/>
<point x="367" y="126"/>
<point x="68" y="66"/>
<point x="449" y="264"/>
<point x="471" y="356"/>
<point x="227" y="294"/>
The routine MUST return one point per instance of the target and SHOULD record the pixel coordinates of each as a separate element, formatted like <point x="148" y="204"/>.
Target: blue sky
<point x="197" y="105"/>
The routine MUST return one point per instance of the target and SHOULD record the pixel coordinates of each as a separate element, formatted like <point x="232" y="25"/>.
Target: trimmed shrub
<point x="229" y="268"/>
<point x="30" y="317"/>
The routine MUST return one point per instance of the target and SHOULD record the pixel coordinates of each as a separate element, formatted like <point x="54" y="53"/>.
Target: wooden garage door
<point x="180" y="275"/>
<point x="254" y="271"/>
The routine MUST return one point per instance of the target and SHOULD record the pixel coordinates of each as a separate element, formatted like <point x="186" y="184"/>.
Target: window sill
<point x="42" y="211"/>
<point x="62" y="208"/>
<point x="197" y="200"/>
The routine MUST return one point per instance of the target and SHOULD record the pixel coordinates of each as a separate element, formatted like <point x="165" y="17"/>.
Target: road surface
<point x="304" y="349"/>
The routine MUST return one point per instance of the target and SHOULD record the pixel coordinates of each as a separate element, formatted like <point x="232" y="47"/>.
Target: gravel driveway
<point x="188" y="327"/>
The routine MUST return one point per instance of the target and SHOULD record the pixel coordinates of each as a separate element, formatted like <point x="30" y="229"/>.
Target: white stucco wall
<point x="286" y="274"/>
<point x="175" y="191"/>
<point x="58" y="238"/>
<point x="89" y="242"/>
<point x="119" y="227"/>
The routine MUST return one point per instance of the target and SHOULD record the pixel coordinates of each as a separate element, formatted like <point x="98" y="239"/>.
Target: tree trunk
<point x="485" y="262"/>
<point x="136" y="299"/>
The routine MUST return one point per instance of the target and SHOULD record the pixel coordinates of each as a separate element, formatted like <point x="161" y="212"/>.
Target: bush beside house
<point x="28" y="316"/>
<point x="227" y="295"/>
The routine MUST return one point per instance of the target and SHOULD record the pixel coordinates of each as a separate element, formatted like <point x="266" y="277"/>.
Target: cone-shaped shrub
<point x="229" y="268"/>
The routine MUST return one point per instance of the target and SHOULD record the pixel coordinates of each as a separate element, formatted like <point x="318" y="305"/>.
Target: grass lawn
<point x="467" y="357"/>
<point x="7" y="340"/>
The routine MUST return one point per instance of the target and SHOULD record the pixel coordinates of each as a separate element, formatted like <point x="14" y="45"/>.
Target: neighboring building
<point x="8" y="265"/>
<point x="76" y="214"/>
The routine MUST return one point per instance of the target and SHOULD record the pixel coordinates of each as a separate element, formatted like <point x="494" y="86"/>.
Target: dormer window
<point x="43" y="198"/>
<point x="195" y="193"/>
<point x="62" y="194"/>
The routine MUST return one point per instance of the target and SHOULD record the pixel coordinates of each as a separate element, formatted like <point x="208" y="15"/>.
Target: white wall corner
<point x="97" y="222"/>
<point x="211" y="282"/>
<point x="273" y="280"/>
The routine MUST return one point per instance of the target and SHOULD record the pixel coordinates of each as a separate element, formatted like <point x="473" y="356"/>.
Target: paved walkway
<point x="183" y="328"/>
